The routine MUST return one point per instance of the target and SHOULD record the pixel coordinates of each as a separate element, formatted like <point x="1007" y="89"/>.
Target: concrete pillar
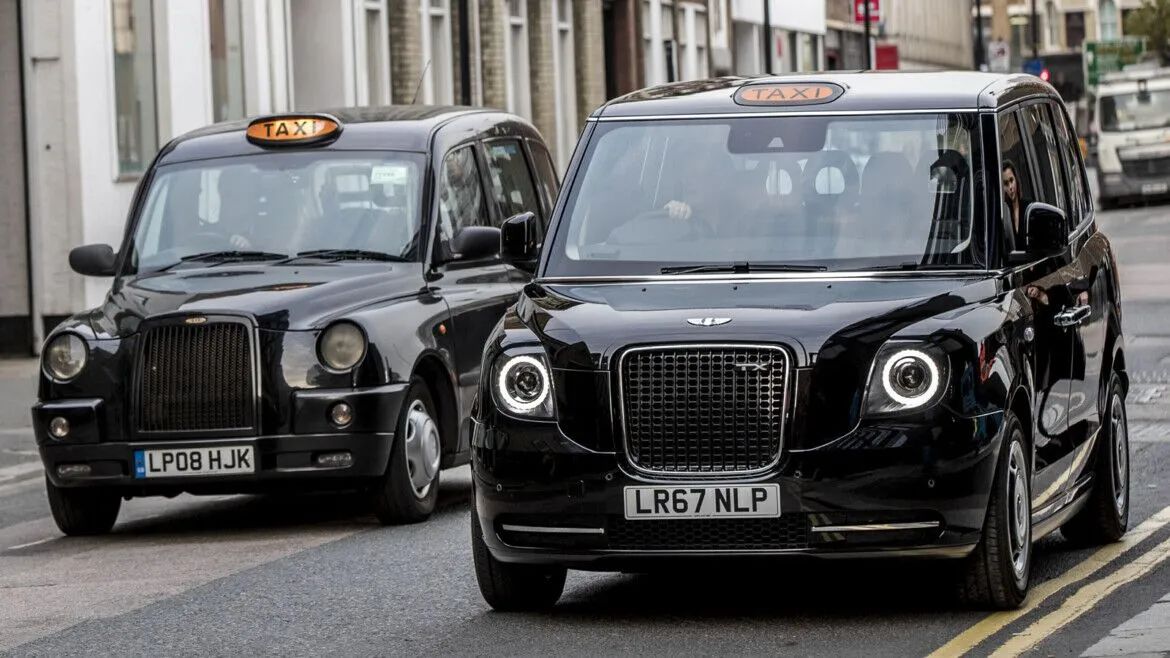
<point x="492" y="33"/>
<point x="1000" y="28"/>
<point x="406" y="57"/>
<point x="589" y="51"/>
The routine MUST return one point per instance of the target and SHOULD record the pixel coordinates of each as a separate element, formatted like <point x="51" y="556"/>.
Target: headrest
<point x="885" y="172"/>
<point x="827" y="161"/>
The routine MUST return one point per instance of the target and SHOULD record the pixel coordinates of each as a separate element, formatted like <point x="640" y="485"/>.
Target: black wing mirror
<point x="518" y="245"/>
<point x="475" y="242"/>
<point x="1047" y="230"/>
<point x="93" y="260"/>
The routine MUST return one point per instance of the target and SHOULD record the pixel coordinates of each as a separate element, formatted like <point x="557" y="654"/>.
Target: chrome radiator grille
<point x="196" y="378"/>
<point x="703" y="408"/>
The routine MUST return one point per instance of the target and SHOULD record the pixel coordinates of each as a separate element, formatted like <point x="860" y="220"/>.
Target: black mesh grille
<point x="785" y="532"/>
<point x="1147" y="167"/>
<point x="703" y="409"/>
<point x="196" y="378"/>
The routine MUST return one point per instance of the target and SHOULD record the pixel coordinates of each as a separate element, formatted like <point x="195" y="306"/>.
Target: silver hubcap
<point x="1120" y="437"/>
<point x="1019" y="509"/>
<point x="422" y="448"/>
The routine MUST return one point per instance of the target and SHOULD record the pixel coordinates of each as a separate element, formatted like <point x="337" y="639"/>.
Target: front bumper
<point x="1117" y="186"/>
<point x="282" y="459"/>
<point x="883" y="490"/>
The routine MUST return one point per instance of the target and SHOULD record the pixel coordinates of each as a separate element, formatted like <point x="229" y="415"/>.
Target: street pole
<point x="767" y="36"/>
<point x="1035" y="23"/>
<point x="980" y="50"/>
<point x="868" y="50"/>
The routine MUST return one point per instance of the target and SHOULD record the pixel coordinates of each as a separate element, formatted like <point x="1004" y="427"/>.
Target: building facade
<point x="929" y="34"/>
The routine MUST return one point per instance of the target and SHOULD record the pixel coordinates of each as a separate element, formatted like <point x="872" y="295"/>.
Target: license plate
<point x="187" y="462"/>
<point x="703" y="501"/>
<point x="1155" y="188"/>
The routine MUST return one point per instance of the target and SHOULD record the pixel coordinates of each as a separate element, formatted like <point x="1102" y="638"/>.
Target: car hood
<point x="584" y="323"/>
<point x="279" y="297"/>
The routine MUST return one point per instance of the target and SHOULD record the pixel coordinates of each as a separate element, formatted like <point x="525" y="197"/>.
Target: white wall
<point x="796" y="15"/>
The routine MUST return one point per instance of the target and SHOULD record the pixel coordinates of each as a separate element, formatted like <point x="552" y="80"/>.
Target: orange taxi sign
<point x="298" y="129"/>
<point x="788" y="93"/>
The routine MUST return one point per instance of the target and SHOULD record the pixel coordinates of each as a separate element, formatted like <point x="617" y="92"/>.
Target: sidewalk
<point x="18" y="391"/>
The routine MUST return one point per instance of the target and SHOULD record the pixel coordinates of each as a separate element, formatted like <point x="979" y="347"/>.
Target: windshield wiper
<point x="742" y="268"/>
<point x="231" y="255"/>
<point x="347" y="254"/>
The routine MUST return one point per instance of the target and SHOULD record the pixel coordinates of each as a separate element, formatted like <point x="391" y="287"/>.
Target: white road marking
<point x="31" y="543"/>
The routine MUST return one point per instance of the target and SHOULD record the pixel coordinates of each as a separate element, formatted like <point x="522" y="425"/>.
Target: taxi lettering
<point x="788" y="94"/>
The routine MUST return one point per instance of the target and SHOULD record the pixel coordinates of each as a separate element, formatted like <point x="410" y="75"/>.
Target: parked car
<point x="835" y="315"/>
<point x="1131" y="122"/>
<point x="299" y="301"/>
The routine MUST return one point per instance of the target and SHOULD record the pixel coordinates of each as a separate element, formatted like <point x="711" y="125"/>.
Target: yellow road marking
<point x="1081" y="602"/>
<point x="991" y="624"/>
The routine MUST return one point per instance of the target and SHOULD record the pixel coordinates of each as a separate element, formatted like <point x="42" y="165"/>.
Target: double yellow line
<point x="1074" y="606"/>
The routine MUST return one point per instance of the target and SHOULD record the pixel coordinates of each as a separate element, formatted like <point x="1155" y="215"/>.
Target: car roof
<point x="392" y="128"/>
<point x="865" y="91"/>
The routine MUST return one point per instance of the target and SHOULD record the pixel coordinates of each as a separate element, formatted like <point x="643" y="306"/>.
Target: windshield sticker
<point x="391" y="174"/>
<point x="789" y="93"/>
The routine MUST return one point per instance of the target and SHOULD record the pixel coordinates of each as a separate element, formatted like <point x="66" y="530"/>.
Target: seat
<point x="827" y="208"/>
<point x="890" y="212"/>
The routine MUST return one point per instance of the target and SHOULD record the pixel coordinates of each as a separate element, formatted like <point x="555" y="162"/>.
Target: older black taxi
<point x="298" y="300"/>
<point x="861" y="315"/>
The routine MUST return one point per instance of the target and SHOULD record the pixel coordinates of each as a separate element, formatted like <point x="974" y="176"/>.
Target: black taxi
<point x="298" y="300"/>
<point x="836" y="315"/>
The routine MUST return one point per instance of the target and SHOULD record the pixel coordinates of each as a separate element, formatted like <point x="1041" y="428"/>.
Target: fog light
<point x="59" y="427"/>
<point x="335" y="460"/>
<point x="341" y="414"/>
<point x="73" y="470"/>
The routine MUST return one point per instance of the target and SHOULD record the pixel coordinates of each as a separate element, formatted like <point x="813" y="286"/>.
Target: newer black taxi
<point x="863" y="314"/>
<point x="297" y="301"/>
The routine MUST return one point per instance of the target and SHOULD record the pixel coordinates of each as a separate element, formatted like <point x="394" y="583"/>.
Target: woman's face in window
<point x="1010" y="188"/>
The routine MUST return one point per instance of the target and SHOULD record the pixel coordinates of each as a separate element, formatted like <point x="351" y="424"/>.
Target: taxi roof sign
<point x="788" y="93"/>
<point x="294" y="129"/>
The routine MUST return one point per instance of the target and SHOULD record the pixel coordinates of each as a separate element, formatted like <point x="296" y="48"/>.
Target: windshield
<point x="1124" y="112"/>
<point x="279" y="205"/>
<point x="809" y="192"/>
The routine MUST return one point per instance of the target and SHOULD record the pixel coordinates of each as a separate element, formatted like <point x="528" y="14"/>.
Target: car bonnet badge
<point x="195" y="319"/>
<point x="708" y="322"/>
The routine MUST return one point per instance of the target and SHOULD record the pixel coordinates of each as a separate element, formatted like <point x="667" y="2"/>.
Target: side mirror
<point x="93" y="260"/>
<point x="1046" y="230"/>
<point x="475" y="242"/>
<point x="518" y="242"/>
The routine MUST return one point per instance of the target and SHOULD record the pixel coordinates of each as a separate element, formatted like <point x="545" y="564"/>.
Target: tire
<point x="996" y="574"/>
<point x="513" y="587"/>
<point x="408" y="490"/>
<point x="1106" y="514"/>
<point x="83" y="512"/>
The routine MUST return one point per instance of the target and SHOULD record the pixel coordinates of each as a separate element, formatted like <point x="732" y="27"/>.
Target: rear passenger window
<point x="511" y="181"/>
<point x="546" y="175"/>
<point x="1038" y="128"/>
<point x="461" y="200"/>
<point x="1077" y="187"/>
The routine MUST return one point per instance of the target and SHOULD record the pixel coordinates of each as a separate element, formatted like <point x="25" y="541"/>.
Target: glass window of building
<point x="377" y="53"/>
<point x="566" y="90"/>
<point x="1109" y="27"/>
<point x="135" y="111"/>
<point x="660" y="56"/>
<point x="1074" y="29"/>
<point x="438" y="82"/>
<point x="227" y="59"/>
<point x="516" y="58"/>
<point x="692" y="40"/>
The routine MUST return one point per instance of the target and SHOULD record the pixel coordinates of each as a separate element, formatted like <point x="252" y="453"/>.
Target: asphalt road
<point x="317" y="575"/>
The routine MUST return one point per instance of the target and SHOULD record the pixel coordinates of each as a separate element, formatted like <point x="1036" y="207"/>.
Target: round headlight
<point x="65" y="357"/>
<point x="523" y="384"/>
<point x="910" y="378"/>
<point x="342" y="346"/>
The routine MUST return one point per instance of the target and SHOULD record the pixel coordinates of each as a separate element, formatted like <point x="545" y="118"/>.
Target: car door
<point x="513" y="186"/>
<point x="1087" y="312"/>
<point x="1055" y="446"/>
<point x="476" y="291"/>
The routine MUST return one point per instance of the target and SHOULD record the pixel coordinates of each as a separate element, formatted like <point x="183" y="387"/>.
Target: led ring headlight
<point x="908" y="396"/>
<point x="523" y="384"/>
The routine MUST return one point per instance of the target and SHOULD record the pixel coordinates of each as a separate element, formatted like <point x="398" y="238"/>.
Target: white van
<point x="1132" y="123"/>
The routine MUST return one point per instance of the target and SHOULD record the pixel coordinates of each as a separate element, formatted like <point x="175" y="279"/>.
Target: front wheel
<point x="407" y="492"/>
<point x="513" y="587"/>
<point x="1106" y="514"/>
<point x="80" y="512"/>
<point x="996" y="574"/>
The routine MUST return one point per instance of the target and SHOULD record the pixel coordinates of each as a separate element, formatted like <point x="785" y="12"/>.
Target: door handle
<point x="1072" y="316"/>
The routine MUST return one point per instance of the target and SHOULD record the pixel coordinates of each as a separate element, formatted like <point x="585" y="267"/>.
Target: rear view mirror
<point x="518" y="245"/>
<point x="475" y="242"/>
<point x="93" y="260"/>
<point x="1047" y="229"/>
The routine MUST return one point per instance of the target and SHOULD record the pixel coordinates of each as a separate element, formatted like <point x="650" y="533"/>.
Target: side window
<point x="511" y="181"/>
<point x="1039" y="133"/>
<point x="1016" y="178"/>
<point x="546" y="174"/>
<point x="461" y="200"/>
<point x="1078" y="187"/>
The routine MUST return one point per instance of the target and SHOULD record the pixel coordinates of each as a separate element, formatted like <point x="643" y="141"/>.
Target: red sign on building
<point x="886" y="56"/>
<point x="875" y="11"/>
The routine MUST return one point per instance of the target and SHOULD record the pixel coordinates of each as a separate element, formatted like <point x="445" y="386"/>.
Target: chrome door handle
<point x="1072" y="316"/>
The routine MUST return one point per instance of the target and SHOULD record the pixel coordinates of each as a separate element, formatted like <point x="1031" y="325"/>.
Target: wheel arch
<point x="434" y="372"/>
